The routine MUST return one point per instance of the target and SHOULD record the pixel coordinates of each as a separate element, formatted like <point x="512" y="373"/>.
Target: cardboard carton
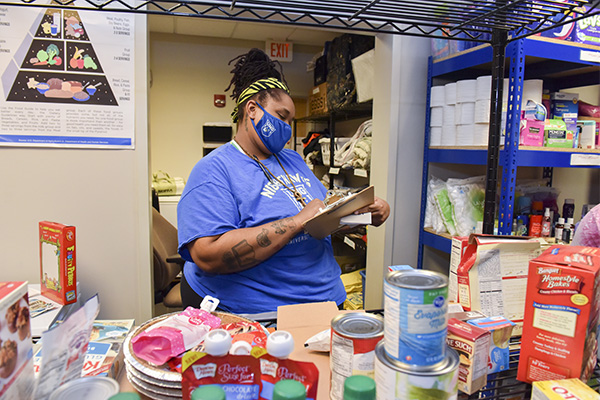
<point x="459" y="246"/>
<point x="492" y="275"/>
<point x="561" y="315"/>
<point x="473" y="345"/>
<point x="501" y="330"/>
<point x="58" y="262"/>
<point x="317" y="100"/>
<point x="556" y="134"/>
<point x="597" y="121"/>
<point x="16" y="364"/>
<point x="587" y="30"/>
<point x="563" y="389"/>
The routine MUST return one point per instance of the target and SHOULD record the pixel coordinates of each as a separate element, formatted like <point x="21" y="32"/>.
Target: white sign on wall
<point x="280" y="51"/>
<point x="67" y="78"/>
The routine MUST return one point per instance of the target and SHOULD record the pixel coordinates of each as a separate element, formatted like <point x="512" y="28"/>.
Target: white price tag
<point x="585" y="159"/>
<point x="361" y="172"/>
<point x="334" y="170"/>
<point x="349" y="242"/>
<point x="589" y="55"/>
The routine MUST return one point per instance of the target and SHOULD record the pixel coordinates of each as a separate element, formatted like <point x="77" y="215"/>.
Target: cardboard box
<point x="492" y="275"/>
<point x="16" y="364"/>
<point x="473" y="346"/>
<point x="58" y="262"/>
<point x="561" y="315"/>
<point x="501" y="330"/>
<point x="459" y="245"/>
<point x="563" y="103"/>
<point x="531" y="133"/>
<point x="317" y="100"/>
<point x="587" y="30"/>
<point x="597" y="121"/>
<point x="587" y="134"/>
<point x="557" y="135"/>
<point x="563" y="389"/>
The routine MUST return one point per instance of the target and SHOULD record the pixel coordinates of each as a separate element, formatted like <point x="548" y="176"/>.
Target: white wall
<point x="104" y="193"/>
<point x="186" y="71"/>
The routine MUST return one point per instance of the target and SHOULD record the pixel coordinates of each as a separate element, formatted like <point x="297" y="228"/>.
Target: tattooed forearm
<point x="283" y="225"/>
<point x="240" y="256"/>
<point x="263" y="239"/>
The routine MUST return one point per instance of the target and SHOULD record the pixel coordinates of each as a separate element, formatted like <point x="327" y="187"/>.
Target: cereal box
<point x="501" y="330"/>
<point x="563" y="389"/>
<point x="16" y="364"/>
<point x="561" y="315"/>
<point x="58" y="262"/>
<point x="473" y="345"/>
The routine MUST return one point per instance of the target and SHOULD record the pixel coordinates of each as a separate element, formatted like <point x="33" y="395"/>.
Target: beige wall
<point x="186" y="71"/>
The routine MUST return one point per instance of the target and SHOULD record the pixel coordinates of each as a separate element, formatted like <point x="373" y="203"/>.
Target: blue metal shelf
<point x="458" y="156"/>
<point x="436" y="241"/>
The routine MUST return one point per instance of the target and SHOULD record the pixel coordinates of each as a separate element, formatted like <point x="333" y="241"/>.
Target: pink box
<point x="531" y="133"/>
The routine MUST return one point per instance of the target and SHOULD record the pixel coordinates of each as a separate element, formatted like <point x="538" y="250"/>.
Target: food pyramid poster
<point x="84" y="70"/>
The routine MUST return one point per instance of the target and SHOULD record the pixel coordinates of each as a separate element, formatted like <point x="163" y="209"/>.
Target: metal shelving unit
<point x="560" y="64"/>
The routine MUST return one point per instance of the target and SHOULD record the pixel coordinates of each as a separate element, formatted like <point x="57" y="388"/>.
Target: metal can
<point x="416" y="316"/>
<point x="353" y="340"/>
<point x="395" y="380"/>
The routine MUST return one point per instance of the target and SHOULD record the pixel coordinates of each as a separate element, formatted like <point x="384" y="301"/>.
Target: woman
<point x="240" y="216"/>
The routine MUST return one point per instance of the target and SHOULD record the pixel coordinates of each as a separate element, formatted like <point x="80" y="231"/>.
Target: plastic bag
<point x="467" y="197"/>
<point x="432" y="214"/>
<point x="444" y="205"/>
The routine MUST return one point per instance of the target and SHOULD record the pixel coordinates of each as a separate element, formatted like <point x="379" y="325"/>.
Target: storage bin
<point x="325" y="147"/>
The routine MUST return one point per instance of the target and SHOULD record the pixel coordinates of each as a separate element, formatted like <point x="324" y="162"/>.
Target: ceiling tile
<point x="204" y="27"/>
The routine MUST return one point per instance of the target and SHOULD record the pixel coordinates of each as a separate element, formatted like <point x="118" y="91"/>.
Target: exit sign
<point x="280" y="51"/>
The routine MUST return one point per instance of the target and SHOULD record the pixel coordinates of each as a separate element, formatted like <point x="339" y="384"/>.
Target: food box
<point x="563" y="389"/>
<point x="501" y="330"/>
<point x="16" y="364"/>
<point x="317" y="100"/>
<point x="58" y="262"/>
<point x="557" y="135"/>
<point x="492" y="275"/>
<point x="473" y="345"/>
<point x="459" y="245"/>
<point x="561" y="315"/>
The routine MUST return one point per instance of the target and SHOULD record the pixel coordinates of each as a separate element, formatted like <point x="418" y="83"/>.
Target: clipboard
<point x="328" y="221"/>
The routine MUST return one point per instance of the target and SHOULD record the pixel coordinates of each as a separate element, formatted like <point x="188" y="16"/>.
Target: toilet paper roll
<point x="484" y="87"/>
<point x="436" y="116"/>
<point x="466" y="91"/>
<point x="435" y="136"/>
<point x="464" y="135"/>
<point x="448" y="115"/>
<point x="481" y="134"/>
<point x="448" y="135"/>
<point x="532" y="90"/>
<point x="465" y="113"/>
<point x="437" y="96"/>
<point x="450" y="93"/>
<point x="482" y="112"/>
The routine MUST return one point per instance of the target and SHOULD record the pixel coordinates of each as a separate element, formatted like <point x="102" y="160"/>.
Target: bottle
<point x="280" y="344"/>
<point x="359" y="387"/>
<point x="568" y="208"/>
<point x="513" y="231"/>
<point x="537" y="208"/>
<point x="208" y="392"/>
<point x="546" y="223"/>
<point x="535" y="225"/>
<point x="522" y="223"/>
<point x="571" y="228"/>
<point x="566" y="233"/>
<point x="289" y="389"/>
<point x="217" y="342"/>
<point x="558" y="229"/>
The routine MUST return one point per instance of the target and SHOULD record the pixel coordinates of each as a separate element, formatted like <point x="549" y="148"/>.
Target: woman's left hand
<point x="379" y="209"/>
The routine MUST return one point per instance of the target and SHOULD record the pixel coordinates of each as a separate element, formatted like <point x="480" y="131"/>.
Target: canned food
<point x="395" y="381"/>
<point x="416" y="316"/>
<point x="353" y="340"/>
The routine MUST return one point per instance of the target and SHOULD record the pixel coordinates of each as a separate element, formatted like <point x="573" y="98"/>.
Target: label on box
<point x="58" y="262"/>
<point x="563" y="389"/>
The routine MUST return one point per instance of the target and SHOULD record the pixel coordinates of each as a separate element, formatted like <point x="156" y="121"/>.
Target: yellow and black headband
<point x="258" y="86"/>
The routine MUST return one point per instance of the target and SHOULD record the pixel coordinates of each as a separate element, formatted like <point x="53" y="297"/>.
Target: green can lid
<point x="208" y="392"/>
<point x="289" y="389"/>
<point x="359" y="387"/>
<point x="125" y="396"/>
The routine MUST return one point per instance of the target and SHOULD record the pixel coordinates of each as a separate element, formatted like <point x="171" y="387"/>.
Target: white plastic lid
<point x="240" y="348"/>
<point x="280" y="344"/>
<point x="569" y="201"/>
<point x="547" y="212"/>
<point x="561" y="220"/>
<point x="217" y="342"/>
<point x="570" y="221"/>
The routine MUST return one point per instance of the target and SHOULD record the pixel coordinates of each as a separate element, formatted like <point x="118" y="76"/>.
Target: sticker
<point x="361" y="172"/>
<point x="349" y="242"/>
<point x="587" y="55"/>
<point x="579" y="299"/>
<point x="334" y="171"/>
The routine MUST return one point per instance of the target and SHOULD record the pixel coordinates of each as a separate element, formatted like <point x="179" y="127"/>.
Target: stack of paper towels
<point x="460" y="111"/>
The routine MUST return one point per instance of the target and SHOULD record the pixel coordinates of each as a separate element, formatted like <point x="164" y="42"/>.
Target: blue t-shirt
<point x="228" y="190"/>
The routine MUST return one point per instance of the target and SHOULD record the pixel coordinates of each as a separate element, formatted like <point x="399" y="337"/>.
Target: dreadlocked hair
<point x="247" y="69"/>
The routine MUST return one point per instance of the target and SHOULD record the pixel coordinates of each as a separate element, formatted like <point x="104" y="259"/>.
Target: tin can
<point x="395" y="380"/>
<point x="353" y="340"/>
<point x="416" y="316"/>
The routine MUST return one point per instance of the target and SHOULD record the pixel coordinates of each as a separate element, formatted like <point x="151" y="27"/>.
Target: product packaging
<point x="587" y="30"/>
<point x="274" y="369"/>
<point x="501" y="330"/>
<point x="557" y="135"/>
<point x="492" y="275"/>
<point x="473" y="346"/>
<point x="58" y="262"/>
<point x="16" y="364"/>
<point x="531" y="133"/>
<point x="563" y="103"/>
<point x="563" y="389"/>
<point x="561" y="315"/>
<point x="597" y="121"/>
<point x="587" y="134"/>
<point x="459" y="246"/>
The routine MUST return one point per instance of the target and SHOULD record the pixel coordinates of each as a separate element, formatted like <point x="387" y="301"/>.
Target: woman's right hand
<point x="311" y="209"/>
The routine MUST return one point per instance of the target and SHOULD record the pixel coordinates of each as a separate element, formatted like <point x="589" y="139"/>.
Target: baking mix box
<point x="58" y="262"/>
<point x="473" y="345"/>
<point x="561" y="315"/>
<point x="16" y="364"/>
<point x="564" y="389"/>
<point x="501" y="330"/>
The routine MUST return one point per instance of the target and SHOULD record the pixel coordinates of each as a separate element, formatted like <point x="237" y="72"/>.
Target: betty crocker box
<point x="58" y="262"/>
<point x="561" y="315"/>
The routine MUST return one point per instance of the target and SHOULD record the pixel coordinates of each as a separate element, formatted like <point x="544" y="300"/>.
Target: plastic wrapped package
<point x="467" y="197"/>
<point x="345" y="156"/>
<point x="538" y="190"/>
<point x="441" y="214"/>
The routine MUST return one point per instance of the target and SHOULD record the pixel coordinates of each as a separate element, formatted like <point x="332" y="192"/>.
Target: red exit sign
<point x="281" y="51"/>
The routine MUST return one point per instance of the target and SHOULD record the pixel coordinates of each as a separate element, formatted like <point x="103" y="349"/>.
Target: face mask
<point x="273" y="132"/>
